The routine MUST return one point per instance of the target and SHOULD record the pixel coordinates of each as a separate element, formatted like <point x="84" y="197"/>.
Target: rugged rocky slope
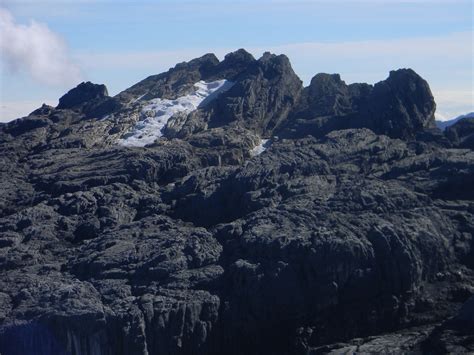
<point x="462" y="133"/>
<point x="352" y="231"/>
<point x="445" y="124"/>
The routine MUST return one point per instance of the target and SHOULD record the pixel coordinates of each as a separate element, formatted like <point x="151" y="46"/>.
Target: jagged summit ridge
<point x="81" y="94"/>
<point x="266" y="98"/>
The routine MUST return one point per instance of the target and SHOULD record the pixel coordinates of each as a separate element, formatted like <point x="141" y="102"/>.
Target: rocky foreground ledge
<point x="265" y="218"/>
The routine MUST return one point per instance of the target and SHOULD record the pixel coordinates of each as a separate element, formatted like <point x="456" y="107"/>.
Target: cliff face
<point x="399" y="107"/>
<point x="264" y="218"/>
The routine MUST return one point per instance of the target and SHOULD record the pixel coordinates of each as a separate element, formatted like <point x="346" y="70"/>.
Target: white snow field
<point x="157" y="112"/>
<point x="260" y="148"/>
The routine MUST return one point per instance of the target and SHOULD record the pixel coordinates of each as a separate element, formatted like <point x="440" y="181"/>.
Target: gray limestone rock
<point x="349" y="230"/>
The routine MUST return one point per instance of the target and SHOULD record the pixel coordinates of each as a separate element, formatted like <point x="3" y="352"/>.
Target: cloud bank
<point x="37" y="51"/>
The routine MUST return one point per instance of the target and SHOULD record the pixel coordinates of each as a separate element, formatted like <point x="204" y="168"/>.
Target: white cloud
<point x="37" y="51"/>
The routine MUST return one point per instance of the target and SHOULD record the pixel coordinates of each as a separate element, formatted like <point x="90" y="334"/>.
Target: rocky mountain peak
<point x="223" y="208"/>
<point x="261" y="98"/>
<point x="401" y="105"/>
<point x="208" y="59"/>
<point x="239" y="56"/>
<point x="204" y="64"/>
<point x="275" y="63"/>
<point x="264" y="96"/>
<point x="234" y="64"/>
<point x="84" y="92"/>
<point x="328" y="95"/>
<point x="322" y="80"/>
<point x="266" y="56"/>
<point x="44" y="110"/>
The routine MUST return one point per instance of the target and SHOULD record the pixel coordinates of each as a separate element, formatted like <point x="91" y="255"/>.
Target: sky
<point x="48" y="47"/>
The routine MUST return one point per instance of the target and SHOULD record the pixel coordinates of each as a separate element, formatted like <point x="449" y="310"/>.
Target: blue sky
<point x="119" y="42"/>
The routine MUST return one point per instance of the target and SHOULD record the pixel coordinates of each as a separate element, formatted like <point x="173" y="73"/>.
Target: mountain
<point x="444" y="124"/>
<point x="223" y="207"/>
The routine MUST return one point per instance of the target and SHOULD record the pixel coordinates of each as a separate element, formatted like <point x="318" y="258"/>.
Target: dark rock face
<point x="173" y="83"/>
<point x="234" y="64"/>
<point x="260" y="100"/>
<point x="82" y="93"/>
<point x="352" y="232"/>
<point x="454" y="336"/>
<point x="399" y="107"/>
<point x="92" y="100"/>
<point x="263" y="97"/>
<point x="461" y="133"/>
<point x="328" y="95"/>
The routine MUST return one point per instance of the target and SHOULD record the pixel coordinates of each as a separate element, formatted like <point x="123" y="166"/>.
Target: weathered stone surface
<point x="400" y="106"/>
<point x="351" y="232"/>
<point x="81" y="94"/>
<point x="260" y="100"/>
<point x="462" y="133"/>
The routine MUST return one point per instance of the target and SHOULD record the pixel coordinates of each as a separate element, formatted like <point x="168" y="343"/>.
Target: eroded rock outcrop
<point x="462" y="133"/>
<point x="352" y="231"/>
<point x="400" y="106"/>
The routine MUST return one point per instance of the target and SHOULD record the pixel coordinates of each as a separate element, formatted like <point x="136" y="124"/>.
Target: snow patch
<point x="157" y="112"/>
<point x="138" y="98"/>
<point x="260" y="148"/>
